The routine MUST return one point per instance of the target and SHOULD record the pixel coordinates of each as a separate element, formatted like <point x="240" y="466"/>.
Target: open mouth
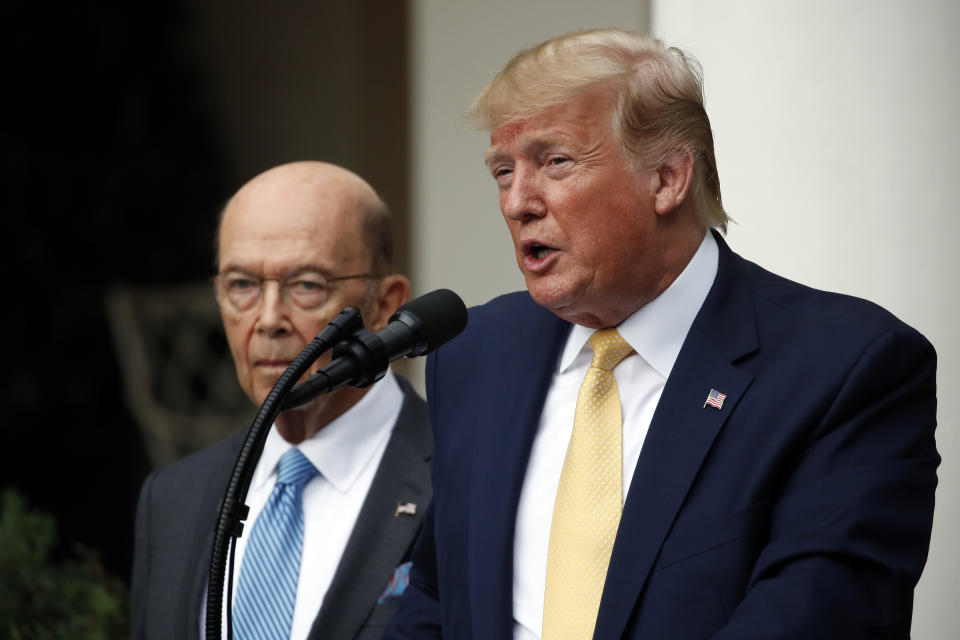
<point x="538" y="258"/>
<point x="536" y="250"/>
<point x="540" y="251"/>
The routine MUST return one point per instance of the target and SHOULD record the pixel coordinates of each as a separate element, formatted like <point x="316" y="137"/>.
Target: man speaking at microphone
<point x="337" y="497"/>
<point x="659" y="439"/>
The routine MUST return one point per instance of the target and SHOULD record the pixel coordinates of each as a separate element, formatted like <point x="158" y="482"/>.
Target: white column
<point x="837" y="143"/>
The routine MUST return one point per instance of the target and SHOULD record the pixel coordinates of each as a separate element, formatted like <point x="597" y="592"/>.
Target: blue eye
<point x="307" y="286"/>
<point x="241" y="284"/>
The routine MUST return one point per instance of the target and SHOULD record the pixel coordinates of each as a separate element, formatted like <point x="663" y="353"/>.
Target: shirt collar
<point x="656" y="331"/>
<point x="342" y="449"/>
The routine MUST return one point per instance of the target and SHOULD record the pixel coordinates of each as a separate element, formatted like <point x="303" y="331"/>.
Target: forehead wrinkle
<point x="281" y="253"/>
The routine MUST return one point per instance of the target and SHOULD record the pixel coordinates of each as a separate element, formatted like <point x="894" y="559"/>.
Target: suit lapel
<point x="201" y="547"/>
<point x="681" y="434"/>
<point x="518" y="374"/>
<point x="380" y="539"/>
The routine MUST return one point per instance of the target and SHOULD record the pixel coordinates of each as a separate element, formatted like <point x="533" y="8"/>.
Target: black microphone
<point x="416" y="329"/>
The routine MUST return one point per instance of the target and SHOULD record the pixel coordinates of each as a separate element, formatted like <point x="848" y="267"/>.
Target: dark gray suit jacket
<point x="174" y="535"/>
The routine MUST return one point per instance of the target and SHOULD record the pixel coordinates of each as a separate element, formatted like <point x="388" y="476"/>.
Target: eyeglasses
<point x="307" y="290"/>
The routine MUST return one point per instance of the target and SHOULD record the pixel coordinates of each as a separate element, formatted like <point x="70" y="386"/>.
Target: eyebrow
<point x="231" y="268"/>
<point x="493" y="155"/>
<point x="533" y="146"/>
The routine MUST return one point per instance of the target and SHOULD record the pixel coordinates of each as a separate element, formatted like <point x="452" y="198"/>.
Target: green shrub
<point x="48" y="598"/>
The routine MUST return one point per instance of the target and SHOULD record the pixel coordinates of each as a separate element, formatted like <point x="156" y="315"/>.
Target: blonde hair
<point x="658" y="99"/>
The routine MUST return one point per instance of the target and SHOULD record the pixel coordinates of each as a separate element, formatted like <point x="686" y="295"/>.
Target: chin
<point x="559" y="306"/>
<point x="552" y="297"/>
<point x="259" y="395"/>
<point x="570" y="308"/>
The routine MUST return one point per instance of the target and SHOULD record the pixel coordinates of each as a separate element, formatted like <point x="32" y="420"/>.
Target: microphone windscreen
<point x="441" y="315"/>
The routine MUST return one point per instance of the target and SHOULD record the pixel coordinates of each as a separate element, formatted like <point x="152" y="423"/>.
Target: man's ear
<point x="675" y="179"/>
<point x="393" y="291"/>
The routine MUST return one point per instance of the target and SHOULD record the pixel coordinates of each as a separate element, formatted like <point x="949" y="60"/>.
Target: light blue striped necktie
<point x="267" y="590"/>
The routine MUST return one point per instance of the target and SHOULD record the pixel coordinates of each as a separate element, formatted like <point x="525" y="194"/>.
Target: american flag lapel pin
<point x="715" y="399"/>
<point x="405" y="509"/>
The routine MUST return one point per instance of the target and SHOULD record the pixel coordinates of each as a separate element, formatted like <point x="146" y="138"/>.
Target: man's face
<point x="582" y="220"/>
<point x="270" y="231"/>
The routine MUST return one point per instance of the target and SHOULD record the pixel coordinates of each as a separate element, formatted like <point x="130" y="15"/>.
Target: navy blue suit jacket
<point x="801" y="509"/>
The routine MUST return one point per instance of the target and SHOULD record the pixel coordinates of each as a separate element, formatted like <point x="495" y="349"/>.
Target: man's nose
<point x="523" y="199"/>
<point x="273" y="316"/>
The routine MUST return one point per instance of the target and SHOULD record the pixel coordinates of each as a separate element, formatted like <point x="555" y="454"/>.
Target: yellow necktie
<point x="588" y="505"/>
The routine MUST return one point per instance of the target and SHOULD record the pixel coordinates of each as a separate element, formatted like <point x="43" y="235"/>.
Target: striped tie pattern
<point x="586" y="513"/>
<point x="267" y="589"/>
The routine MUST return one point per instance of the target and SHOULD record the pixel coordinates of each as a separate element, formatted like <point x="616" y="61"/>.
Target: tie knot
<point x="609" y="348"/>
<point x="294" y="469"/>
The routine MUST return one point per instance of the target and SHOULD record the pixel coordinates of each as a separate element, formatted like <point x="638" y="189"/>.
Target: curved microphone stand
<point x="233" y="511"/>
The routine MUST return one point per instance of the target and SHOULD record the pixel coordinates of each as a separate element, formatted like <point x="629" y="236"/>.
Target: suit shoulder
<point x="503" y="308"/>
<point x="502" y="318"/>
<point x="511" y="312"/>
<point x="815" y="308"/>
<point x="210" y="464"/>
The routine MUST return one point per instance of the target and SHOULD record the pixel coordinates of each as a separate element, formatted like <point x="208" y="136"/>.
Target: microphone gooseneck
<point x="416" y="329"/>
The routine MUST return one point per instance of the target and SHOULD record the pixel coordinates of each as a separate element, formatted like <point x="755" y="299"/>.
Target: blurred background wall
<point x="127" y="126"/>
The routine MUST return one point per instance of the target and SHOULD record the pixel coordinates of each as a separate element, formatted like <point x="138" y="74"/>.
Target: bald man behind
<point x="296" y="245"/>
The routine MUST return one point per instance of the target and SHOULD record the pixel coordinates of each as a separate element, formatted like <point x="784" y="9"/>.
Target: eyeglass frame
<point x="282" y="287"/>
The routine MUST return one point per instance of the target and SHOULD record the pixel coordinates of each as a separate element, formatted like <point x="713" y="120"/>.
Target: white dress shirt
<point x="347" y="453"/>
<point x="656" y="332"/>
